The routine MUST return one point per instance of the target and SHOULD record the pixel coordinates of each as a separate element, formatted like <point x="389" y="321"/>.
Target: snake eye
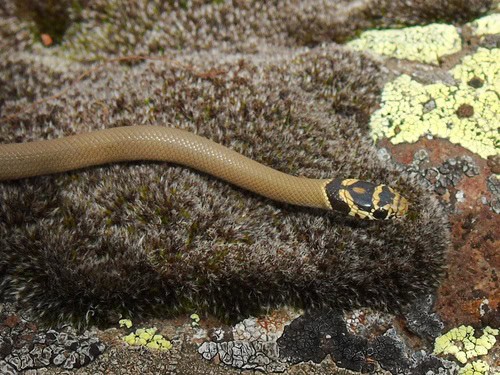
<point x="381" y="214"/>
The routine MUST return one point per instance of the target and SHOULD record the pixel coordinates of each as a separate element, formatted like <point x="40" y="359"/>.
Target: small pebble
<point x="429" y="106"/>
<point x="476" y="82"/>
<point x="383" y="154"/>
<point x="460" y="196"/>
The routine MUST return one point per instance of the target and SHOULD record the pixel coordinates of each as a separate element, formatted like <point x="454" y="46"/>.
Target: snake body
<point x="354" y="197"/>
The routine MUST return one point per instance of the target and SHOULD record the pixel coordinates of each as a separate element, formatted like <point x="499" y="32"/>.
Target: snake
<point x="349" y="196"/>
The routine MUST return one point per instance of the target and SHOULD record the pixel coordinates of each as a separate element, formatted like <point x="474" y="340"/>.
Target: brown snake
<point x="354" y="197"/>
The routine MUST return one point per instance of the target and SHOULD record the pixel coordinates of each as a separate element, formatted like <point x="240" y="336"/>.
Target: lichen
<point x="195" y="320"/>
<point x="486" y="25"/>
<point x="25" y="347"/>
<point x="125" y="323"/>
<point x="461" y="343"/>
<point x="316" y="334"/>
<point x="466" y="113"/>
<point x="148" y="338"/>
<point x="425" y="44"/>
<point x="478" y="367"/>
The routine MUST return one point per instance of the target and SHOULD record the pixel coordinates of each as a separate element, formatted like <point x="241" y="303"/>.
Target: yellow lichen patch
<point x="125" y="323"/>
<point x="195" y="320"/>
<point x="425" y="44"/>
<point x="147" y="338"/>
<point x="467" y="113"/>
<point x="486" y="25"/>
<point x="463" y="345"/>
<point x="484" y="64"/>
<point x="475" y="368"/>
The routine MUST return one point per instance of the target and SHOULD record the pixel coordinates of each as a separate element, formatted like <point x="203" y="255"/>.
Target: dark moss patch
<point x="52" y="17"/>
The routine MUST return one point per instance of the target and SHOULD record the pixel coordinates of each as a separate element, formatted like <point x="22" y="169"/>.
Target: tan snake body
<point x="350" y="196"/>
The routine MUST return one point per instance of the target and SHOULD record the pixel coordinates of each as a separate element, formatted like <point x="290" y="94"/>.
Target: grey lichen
<point x="445" y="177"/>
<point x="24" y="347"/>
<point x="250" y="344"/>
<point x="244" y="355"/>
<point x="493" y="184"/>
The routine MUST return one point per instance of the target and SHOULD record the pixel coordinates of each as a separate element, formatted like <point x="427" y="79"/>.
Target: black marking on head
<point x="362" y="194"/>
<point x="386" y="197"/>
<point x="332" y="192"/>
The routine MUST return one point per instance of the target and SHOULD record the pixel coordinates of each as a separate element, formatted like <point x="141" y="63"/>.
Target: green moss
<point x="425" y="44"/>
<point x="467" y="113"/>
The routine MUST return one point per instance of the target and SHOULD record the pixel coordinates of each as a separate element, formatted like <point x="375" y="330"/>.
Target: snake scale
<point x="353" y="197"/>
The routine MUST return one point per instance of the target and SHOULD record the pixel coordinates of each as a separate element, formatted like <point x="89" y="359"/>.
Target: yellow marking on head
<point x="376" y="195"/>
<point x="349" y="181"/>
<point x="359" y="190"/>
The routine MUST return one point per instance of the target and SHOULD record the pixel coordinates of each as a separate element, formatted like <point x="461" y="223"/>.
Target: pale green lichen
<point x="463" y="345"/>
<point x="484" y="64"/>
<point x="195" y="320"/>
<point x="467" y="113"/>
<point x="486" y="25"/>
<point x="147" y="338"/>
<point x="125" y="323"/>
<point x="478" y="367"/>
<point x="425" y="44"/>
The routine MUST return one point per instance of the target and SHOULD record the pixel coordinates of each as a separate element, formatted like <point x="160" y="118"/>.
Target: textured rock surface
<point x="23" y="346"/>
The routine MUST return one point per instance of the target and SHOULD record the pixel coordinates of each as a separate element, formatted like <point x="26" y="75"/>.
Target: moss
<point x="302" y="111"/>
<point x="425" y="44"/>
<point x="52" y="17"/>
<point x="462" y="113"/>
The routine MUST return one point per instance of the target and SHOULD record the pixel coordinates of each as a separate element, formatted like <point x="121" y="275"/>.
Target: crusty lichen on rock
<point x="425" y="44"/>
<point x="478" y="367"/>
<point x="486" y="25"/>
<point x="463" y="345"/>
<point x="147" y="337"/>
<point x="467" y="113"/>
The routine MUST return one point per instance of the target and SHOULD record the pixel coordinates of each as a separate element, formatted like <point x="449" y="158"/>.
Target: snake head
<point x="388" y="203"/>
<point x="365" y="200"/>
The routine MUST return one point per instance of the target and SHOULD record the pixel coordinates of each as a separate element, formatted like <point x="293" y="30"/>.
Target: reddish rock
<point x="474" y="260"/>
<point x="11" y="321"/>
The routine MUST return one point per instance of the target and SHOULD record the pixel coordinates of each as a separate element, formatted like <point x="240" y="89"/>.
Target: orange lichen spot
<point x="46" y="40"/>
